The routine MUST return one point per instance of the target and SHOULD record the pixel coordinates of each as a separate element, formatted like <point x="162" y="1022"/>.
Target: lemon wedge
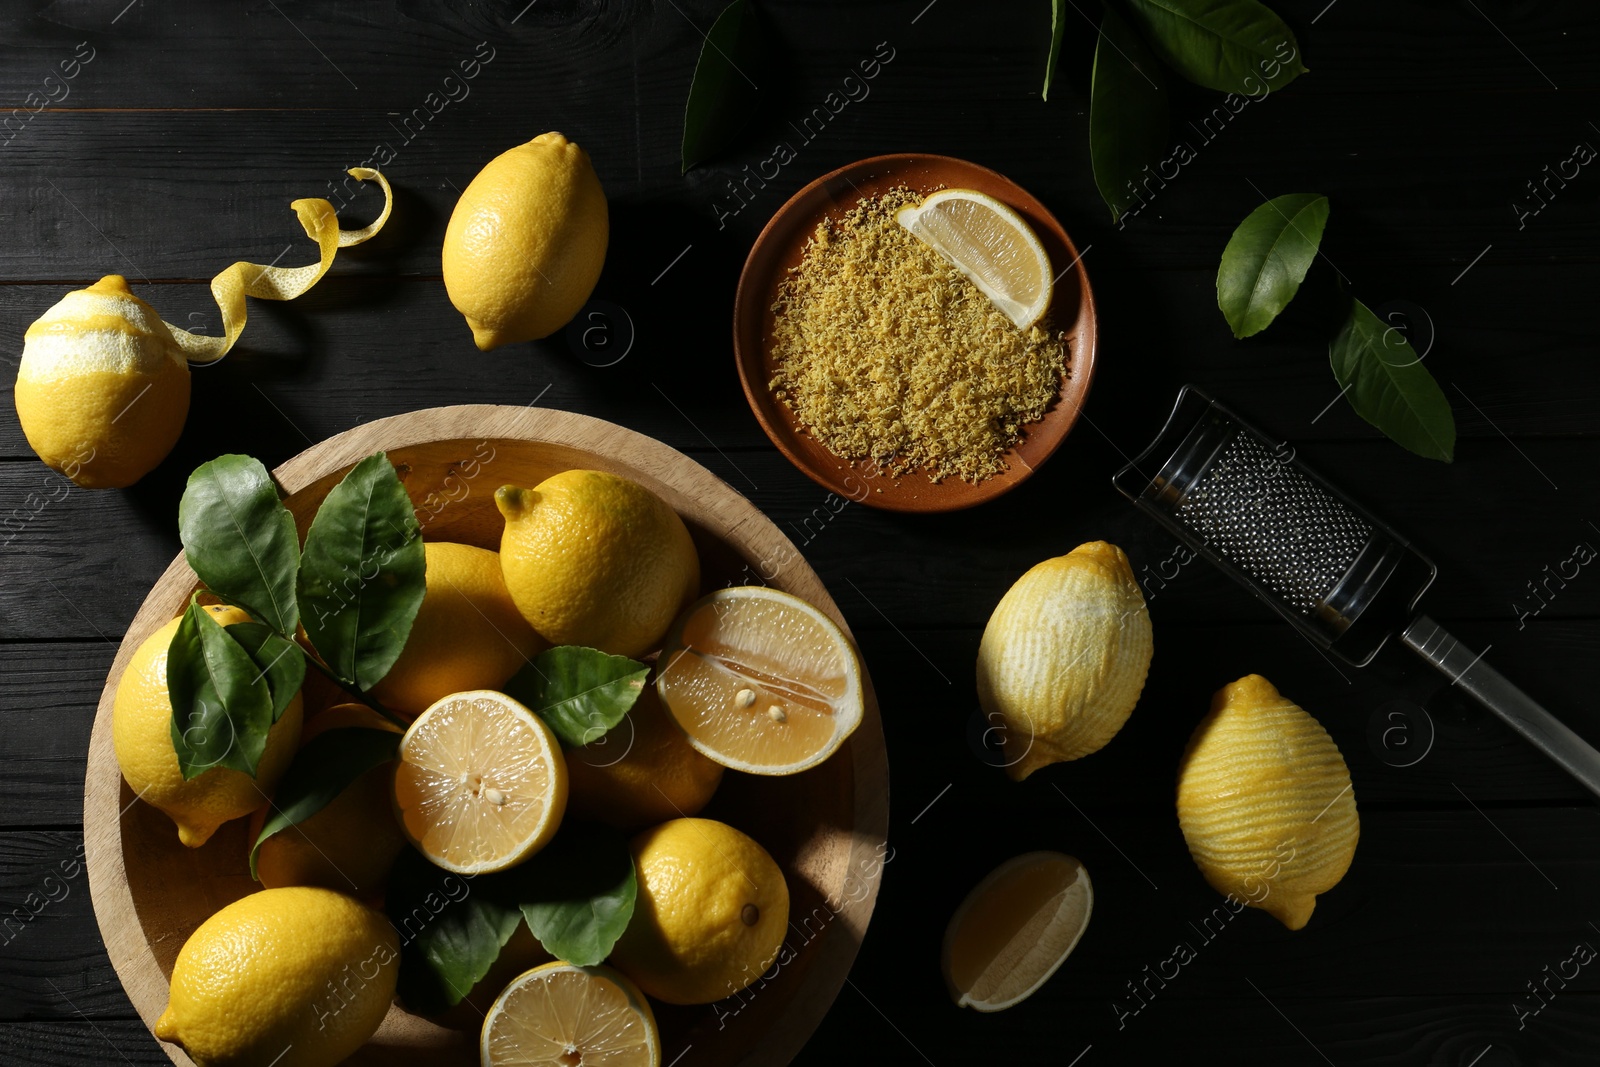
<point x="560" y="1014"/>
<point x="989" y="243"/>
<point x="760" y="681"/>
<point x="480" y="783"/>
<point x="1015" y="929"/>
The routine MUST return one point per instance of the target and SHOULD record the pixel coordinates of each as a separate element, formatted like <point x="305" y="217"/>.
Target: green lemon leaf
<point x="452" y="928"/>
<point x="362" y="574"/>
<point x="1128" y="122"/>
<point x="1232" y="46"/>
<point x="240" y="539"/>
<point x="281" y="661"/>
<point x="723" y="96"/>
<point x="579" y="692"/>
<point x="578" y="892"/>
<point x="321" y="770"/>
<point x="1386" y="383"/>
<point x="221" y="703"/>
<point x="1267" y="258"/>
<point x="1058" y="12"/>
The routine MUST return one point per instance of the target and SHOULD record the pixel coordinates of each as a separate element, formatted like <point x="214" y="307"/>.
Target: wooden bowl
<point x="825" y="827"/>
<point x="781" y="246"/>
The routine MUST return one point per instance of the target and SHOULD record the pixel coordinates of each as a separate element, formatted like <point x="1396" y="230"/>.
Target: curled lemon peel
<point x="268" y="282"/>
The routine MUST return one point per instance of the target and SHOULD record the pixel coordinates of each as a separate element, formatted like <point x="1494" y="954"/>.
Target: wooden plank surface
<point x="177" y="147"/>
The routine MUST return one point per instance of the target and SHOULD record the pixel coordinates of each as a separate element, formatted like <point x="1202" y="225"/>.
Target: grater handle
<point x="1519" y="711"/>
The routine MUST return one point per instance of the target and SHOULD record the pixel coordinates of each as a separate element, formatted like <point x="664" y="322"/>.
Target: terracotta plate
<point x="780" y="247"/>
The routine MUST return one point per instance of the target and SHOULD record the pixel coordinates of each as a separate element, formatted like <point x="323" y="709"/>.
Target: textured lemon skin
<point x="526" y="242"/>
<point x="643" y="771"/>
<point x="350" y="845"/>
<point x="1265" y="802"/>
<point x="468" y="633"/>
<point x="141" y="717"/>
<point x="689" y="941"/>
<point x="596" y="559"/>
<point x="1064" y="657"/>
<point x="102" y="388"/>
<point x="300" y="969"/>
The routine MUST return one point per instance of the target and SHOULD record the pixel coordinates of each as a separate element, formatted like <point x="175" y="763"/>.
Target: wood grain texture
<point x="824" y="828"/>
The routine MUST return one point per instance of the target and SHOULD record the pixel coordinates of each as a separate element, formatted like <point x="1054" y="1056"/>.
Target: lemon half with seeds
<point x="761" y="681"/>
<point x="561" y="1015"/>
<point x="481" y="784"/>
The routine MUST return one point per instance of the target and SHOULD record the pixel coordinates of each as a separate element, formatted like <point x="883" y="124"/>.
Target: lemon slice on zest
<point x="1015" y="928"/>
<point x="989" y="243"/>
<point x="268" y="282"/>
<point x="560" y="1014"/>
<point x="480" y="783"/>
<point x="761" y="681"/>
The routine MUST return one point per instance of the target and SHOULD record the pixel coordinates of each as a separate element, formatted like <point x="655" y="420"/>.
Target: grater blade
<point x="1245" y="503"/>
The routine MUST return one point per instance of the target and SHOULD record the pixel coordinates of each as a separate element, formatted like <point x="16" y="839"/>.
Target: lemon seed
<point x="745" y="697"/>
<point x="776" y="714"/>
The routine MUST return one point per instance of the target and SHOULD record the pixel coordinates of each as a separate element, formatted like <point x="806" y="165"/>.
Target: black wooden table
<point x="189" y="126"/>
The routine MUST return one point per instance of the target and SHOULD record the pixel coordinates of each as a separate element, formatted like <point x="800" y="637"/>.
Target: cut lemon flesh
<point x="989" y="243"/>
<point x="760" y="680"/>
<point x="480" y="784"/>
<point x="1015" y="928"/>
<point x="560" y="1015"/>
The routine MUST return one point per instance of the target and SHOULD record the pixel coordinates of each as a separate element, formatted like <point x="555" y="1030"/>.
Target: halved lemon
<point x="1015" y="928"/>
<point x="560" y="1015"/>
<point x="989" y="243"/>
<point x="760" y="680"/>
<point x="480" y="784"/>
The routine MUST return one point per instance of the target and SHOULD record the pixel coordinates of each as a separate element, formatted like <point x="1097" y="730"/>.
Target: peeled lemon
<point x="103" y="386"/>
<point x="141" y="731"/>
<point x="596" y="559"/>
<point x="1064" y="657"/>
<point x="710" y="916"/>
<point x="296" y="977"/>
<point x="1265" y="802"/>
<point x="526" y="242"/>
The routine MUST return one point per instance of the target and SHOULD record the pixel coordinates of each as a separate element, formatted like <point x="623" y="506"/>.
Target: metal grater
<point x="1345" y="580"/>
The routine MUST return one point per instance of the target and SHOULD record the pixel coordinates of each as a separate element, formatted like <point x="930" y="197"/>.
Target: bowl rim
<point x="110" y="891"/>
<point x="1074" y="393"/>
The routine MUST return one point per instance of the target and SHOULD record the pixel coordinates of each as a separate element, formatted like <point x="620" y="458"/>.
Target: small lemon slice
<point x="480" y="784"/>
<point x="559" y="1015"/>
<point x="760" y="680"/>
<point x="989" y="243"/>
<point x="1015" y="928"/>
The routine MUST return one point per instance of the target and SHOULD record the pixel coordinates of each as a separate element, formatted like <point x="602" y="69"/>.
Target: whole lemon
<point x="1265" y="802"/>
<point x="103" y="388"/>
<point x="643" y="771"/>
<point x="710" y="915"/>
<point x="526" y="242"/>
<point x="467" y="635"/>
<point x="596" y="559"/>
<point x="141" y="731"/>
<point x="1064" y="657"/>
<point x="351" y="843"/>
<point x="296" y="977"/>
